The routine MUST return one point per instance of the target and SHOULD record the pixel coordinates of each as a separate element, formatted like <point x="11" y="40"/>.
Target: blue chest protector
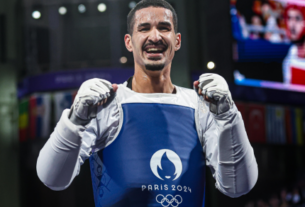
<point x="156" y="160"/>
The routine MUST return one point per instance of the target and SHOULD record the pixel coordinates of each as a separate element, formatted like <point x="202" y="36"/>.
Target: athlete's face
<point x="154" y="40"/>
<point x="295" y="24"/>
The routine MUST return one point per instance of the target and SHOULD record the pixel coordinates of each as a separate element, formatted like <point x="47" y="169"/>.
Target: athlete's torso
<point x="156" y="158"/>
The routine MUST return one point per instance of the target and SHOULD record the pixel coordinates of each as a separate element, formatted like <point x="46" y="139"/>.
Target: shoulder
<point x="186" y="91"/>
<point x="123" y="90"/>
<point x="124" y="93"/>
<point x="293" y="50"/>
<point x="187" y="94"/>
<point x="192" y="97"/>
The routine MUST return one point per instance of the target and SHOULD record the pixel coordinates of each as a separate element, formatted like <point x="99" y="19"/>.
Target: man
<point x="149" y="140"/>
<point x="294" y="63"/>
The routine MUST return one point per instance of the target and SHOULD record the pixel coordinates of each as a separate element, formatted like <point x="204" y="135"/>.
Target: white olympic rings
<point x="168" y="200"/>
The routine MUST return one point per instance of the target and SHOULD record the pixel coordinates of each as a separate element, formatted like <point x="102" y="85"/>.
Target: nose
<point x="292" y="25"/>
<point x="155" y="35"/>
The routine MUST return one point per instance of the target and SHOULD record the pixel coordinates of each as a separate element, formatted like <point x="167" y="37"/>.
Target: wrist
<point x="76" y="120"/>
<point x="221" y="106"/>
<point x="226" y="115"/>
<point x="68" y="130"/>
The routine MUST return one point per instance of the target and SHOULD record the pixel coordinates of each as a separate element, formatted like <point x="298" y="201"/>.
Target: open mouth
<point x="293" y="31"/>
<point x="155" y="49"/>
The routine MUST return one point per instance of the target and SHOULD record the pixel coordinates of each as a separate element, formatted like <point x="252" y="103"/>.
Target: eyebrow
<point x="161" y="23"/>
<point x="143" y="25"/>
<point x="165" y="24"/>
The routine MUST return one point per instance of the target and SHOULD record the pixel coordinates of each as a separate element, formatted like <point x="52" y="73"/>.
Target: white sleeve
<point x="229" y="153"/>
<point x="70" y="145"/>
<point x="286" y="64"/>
<point x="57" y="162"/>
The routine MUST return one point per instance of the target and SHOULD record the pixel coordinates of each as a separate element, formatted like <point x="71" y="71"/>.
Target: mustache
<point x="155" y="44"/>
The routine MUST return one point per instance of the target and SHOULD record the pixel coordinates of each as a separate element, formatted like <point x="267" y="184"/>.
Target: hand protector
<point x="92" y="93"/>
<point x="215" y="90"/>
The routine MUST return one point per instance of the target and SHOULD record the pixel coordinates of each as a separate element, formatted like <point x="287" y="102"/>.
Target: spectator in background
<point x="302" y="189"/>
<point x="250" y="204"/>
<point x="240" y="30"/>
<point x="294" y="63"/>
<point x="256" y="22"/>
<point x="269" y="12"/>
<point x="296" y="197"/>
<point x="272" y="30"/>
<point x="274" y="201"/>
<point x="284" y="202"/>
<point x="261" y="203"/>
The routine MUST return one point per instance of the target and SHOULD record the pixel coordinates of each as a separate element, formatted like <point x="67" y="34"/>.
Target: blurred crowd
<point x="265" y="21"/>
<point x="285" y="197"/>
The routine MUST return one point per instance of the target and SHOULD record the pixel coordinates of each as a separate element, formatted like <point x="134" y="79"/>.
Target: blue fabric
<point x="122" y="173"/>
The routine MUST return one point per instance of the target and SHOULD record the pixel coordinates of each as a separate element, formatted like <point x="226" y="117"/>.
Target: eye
<point x="298" y="18"/>
<point x="144" y="29"/>
<point x="164" y="29"/>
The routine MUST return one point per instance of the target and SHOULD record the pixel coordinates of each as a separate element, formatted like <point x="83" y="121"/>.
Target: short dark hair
<point x="150" y="3"/>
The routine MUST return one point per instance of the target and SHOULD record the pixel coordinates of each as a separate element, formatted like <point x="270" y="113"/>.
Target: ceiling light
<point x="102" y="7"/>
<point x="123" y="60"/>
<point x="81" y="8"/>
<point x="132" y="4"/>
<point x="36" y="14"/>
<point x="211" y="65"/>
<point x="62" y="10"/>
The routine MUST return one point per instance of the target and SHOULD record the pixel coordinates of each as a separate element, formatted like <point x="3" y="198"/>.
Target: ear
<point x="178" y="42"/>
<point x="128" y="42"/>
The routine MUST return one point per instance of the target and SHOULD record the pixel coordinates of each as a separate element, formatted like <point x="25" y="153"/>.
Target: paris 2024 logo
<point x="166" y="165"/>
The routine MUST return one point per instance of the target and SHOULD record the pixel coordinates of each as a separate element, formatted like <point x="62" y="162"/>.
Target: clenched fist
<point x="215" y="90"/>
<point x="92" y="93"/>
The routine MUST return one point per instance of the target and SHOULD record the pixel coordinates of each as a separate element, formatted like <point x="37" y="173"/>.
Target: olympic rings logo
<point x="168" y="200"/>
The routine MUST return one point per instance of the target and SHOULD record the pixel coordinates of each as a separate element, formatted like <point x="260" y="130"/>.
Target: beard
<point x="154" y="67"/>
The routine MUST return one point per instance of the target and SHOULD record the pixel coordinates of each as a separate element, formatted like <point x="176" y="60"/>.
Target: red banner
<point x="256" y="127"/>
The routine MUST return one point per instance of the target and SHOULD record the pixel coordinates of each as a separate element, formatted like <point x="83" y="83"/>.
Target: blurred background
<point x="49" y="47"/>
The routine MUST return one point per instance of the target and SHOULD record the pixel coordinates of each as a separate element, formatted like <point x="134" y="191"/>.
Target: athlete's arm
<point x="229" y="154"/>
<point x="225" y="141"/>
<point x="74" y="136"/>
<point x="59" y="161"/>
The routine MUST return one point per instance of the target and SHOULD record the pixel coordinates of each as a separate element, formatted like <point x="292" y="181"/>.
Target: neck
<point x="301" y="50"/>
<point x="145" y="81"/>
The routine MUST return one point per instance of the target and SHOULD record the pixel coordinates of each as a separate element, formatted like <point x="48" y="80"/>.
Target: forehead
<point x="153" y="15"/>
<point x="294" y="12"/>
